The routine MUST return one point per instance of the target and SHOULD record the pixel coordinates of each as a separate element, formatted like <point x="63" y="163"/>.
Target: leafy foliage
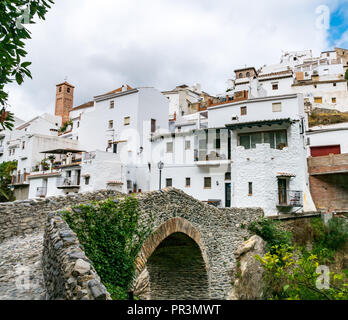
<point x="14" y="15"/>
<point x="6" y="168"/>
<point x="292" y="275"/>
<point x="111" y="235"/>
<point x="269" y="231"/>
<point x="327" y="240"/>
<point x="64" y="127"/>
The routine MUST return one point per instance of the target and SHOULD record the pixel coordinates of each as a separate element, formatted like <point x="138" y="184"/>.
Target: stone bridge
<point x="189" y="255"/>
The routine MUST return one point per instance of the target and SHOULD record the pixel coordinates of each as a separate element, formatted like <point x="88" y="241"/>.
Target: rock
<point x="249" y="284"/>
<point x="142" y="286"/>
<point x="82" y="267"/>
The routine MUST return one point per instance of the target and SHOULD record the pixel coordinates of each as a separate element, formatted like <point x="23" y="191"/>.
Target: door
<point x="282" y="191"/>
<point x="227" y="195"/>
<point x="325" y="150"/>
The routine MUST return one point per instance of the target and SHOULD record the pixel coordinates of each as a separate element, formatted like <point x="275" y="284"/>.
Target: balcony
<point x="331" y="164"/>
<point x="41" y="192"/>
<point x="290" y="199"/>
<point x="20" y="179"/>
<point x="68" y="182"/>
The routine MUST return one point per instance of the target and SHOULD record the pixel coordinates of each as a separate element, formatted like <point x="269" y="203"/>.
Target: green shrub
<point x="337" y="233"/>
<point x="291" y="275"/>
<point x="111" y="235"/>
<point x="269" y="231"/>
<point x="328" y="240"/>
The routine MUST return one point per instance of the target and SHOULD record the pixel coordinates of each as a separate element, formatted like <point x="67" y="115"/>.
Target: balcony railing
<point x="41" y="192"/>
<point x="203" y="155"/>
<point x="68" y="182"/>
<point x="20" y="179"/>
<point x="290" y="198"/>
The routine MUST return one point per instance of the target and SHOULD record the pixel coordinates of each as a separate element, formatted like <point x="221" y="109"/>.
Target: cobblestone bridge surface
<point x="21" y="275"/>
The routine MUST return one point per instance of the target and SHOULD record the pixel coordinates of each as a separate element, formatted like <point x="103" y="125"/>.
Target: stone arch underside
<point x="176" y="262"/>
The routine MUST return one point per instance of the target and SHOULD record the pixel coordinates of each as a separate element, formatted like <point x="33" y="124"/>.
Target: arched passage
<point x="176" y="262"/>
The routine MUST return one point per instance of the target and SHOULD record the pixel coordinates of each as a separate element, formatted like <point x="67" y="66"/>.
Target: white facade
<point x="319" y="79"/>
<point x="329" y="135"/>
<point x="210" y="164"/>
<point x="180" y="99"/>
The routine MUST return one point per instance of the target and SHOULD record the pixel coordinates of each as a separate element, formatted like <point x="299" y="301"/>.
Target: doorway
<point x="282" y="191"/>
<point x="228" y="195"/>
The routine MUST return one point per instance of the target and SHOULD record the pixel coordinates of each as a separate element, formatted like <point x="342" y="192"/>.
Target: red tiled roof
<point x="118" y="90"/>
<point x="275" y="73"/>
<point x="84" y="106"/>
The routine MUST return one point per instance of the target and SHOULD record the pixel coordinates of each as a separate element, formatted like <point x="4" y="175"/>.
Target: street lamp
<point x="160" y="167"/>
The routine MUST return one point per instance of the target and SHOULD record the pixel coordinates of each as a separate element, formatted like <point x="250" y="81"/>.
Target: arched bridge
<point x="190" y="254"/>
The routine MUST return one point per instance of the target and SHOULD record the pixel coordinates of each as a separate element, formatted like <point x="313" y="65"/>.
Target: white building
<point x="251" y="153"/>
<point x="319" y="79"/>
<point x="327" y="139"/>
<point x="183" y="100"/>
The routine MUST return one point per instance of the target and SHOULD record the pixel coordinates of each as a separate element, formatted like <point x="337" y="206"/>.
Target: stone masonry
<point x="199" y="238"/>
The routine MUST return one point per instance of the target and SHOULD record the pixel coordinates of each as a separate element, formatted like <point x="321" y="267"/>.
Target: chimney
<point x="64" y="101"/>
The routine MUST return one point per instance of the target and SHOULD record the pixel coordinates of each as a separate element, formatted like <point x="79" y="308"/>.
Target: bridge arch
<point x="176" y="261"/>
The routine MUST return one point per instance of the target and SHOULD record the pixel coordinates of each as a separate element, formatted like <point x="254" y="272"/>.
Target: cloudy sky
<point x="100" y="45"/>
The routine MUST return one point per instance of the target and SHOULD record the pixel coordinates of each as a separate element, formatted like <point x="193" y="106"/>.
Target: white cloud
<point x="102" y="44"/>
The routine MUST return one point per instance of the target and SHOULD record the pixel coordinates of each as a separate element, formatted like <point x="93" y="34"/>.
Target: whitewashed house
<point x="320" y="79"/>
<point x="251" y="153"/>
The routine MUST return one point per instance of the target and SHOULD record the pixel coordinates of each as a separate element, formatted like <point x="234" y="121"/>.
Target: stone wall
<point x="185" y="232"/>
<point x="217" y="232"/>
<point x="68" y="273"/>
<point x="24" y="217"/>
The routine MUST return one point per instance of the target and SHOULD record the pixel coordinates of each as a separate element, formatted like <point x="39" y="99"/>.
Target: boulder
<point x="248" y="284"/>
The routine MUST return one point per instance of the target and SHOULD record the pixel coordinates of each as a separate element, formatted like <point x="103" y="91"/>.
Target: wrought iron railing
<point x="68" y="181"/>
<point x="290" y="198"/>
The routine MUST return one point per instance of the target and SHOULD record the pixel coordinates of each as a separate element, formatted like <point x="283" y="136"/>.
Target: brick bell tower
<point x="64" y="100"/>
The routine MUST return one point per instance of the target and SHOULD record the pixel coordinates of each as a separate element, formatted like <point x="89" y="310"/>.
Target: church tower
<point x="64" y="100"/>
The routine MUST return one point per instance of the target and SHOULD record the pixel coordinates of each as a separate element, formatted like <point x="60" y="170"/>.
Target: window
<point x="187" y="145"/>
<point x="169" y="183"/>
<point x="86" y="180"/>
<point x="111" y="124"/>
<point x="127" y="121"/>
<point x="60" y="89"/>
<point x="153" y="125"/>
<point x="276" y="139"/>
<point x="250" y="188"/>
<point x="318" y="100"/>
<point x="333" y="100"/>
<point x="68" y="90"/>
<point x="207" y="183"/>
<point x="112" y="104"/>
<point x="23" y="145"/>
<point x="169" y="147"/>
<point x="228" y="176"/>
<point x="334" y="84"/>
<point x="275" y="86"/>
<point x="241" y="75"/>
<point x="248" y="74"/>
<point x="179" y="129"/>
<point x="243" y="111"/>
<point x="217" y="141"/>
<point x="188" y="182"/>
<point x="129" y="184"/>
<point x="114" y="149"/>
<point x="277" y="107"/>
<point x="78" y="124"/>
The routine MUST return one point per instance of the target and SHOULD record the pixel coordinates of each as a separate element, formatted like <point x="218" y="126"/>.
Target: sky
<point x="100" y="45"/>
